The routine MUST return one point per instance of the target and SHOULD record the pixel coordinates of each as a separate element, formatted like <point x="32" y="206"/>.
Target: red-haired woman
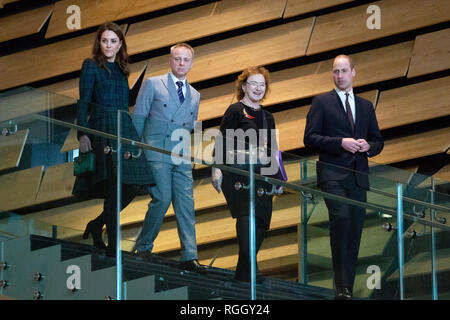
<point x="247" y="116"/>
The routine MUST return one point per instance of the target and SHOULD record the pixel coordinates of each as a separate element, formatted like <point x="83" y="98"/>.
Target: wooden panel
<point x="218" y="226"/>
<point x="23" y="24"/>
<point x="431" y="53"/>
<point x="443" y="173"/>
<point x="275" y="252"/>
<point x="348" y="27"/>
<point x="414" y="103"/>
<point x="19" y="189"/>
<point x="69" y="88"/>
<point x="30" y="101"/>
<point x="45" y="62"/>
<point x="75" y="216"/>
<point x="200" y="22"/>
<point x="11" y="148"/>
<point x="214" y="101"/>
<point x="371" y="66"/>
<point x="297" y="7"/>
<point x="57" y="183"/>
<point x="414" y="146"/>
<point x="96" y="12"/>
<point x="312" y="79"/>
<point x="234" y="54"/>
<point x="71" y="142"/>
<point x="291" y="125"/>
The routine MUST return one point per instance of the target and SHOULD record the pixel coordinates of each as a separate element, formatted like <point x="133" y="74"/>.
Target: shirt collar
<point x="175" y="79"/>
<point x="342" y="93"/>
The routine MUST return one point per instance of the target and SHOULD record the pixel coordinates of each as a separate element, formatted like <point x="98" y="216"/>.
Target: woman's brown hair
<point x="121" y="56"/>
<point x="242" y="79"/>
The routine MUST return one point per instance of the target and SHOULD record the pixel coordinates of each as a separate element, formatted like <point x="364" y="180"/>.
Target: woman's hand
<point x="279" y="190"/>
<point x="216" y="177"/>
<point x="85" y="144"/>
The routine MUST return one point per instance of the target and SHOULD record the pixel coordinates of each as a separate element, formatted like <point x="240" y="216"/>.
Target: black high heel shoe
<point x="96" y="231"/>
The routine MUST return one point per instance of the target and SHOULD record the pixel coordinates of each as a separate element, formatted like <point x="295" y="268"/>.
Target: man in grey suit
<point x="167" y="105"/>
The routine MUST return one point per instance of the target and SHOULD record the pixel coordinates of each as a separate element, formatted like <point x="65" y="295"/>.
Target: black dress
<point x="238" y="201"/>
<point x="240" y="116"/>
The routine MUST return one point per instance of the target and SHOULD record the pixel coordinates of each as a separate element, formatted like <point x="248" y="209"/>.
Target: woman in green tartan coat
<point x="104" y="91"/>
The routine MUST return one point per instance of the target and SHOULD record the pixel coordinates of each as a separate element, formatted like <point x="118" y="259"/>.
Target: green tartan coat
<point x="103" y="93"/>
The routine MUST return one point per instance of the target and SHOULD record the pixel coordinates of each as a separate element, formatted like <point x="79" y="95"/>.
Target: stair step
<point x="166" y="280"/>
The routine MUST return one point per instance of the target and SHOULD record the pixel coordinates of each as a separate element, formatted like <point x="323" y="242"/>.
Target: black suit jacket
<point x="327" y="124"/>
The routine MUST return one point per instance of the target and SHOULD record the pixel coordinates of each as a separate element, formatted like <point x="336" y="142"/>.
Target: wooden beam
<point x="431" y="53"/>
<point x="297" y="7"/>
<point x="11" y="148"/>
<point x="200" y="22"/>
<point x="231" y="55"/>
<point x="348" y="27"/>
<point x="19" y="189"/>
<point x="24" y="23"/>
<point x="27" y="101"/>
<point x="46" y="61"/>
<point x="418" y="102"/>
<point x="57" y="183"/>
<point x="312" y="79"/>
<point x="95" y="12"/>
<point x="414" y="146"/>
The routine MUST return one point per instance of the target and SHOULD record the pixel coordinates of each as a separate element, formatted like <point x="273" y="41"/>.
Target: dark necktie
<point x="180" y="91"/>
<point x="349" y="113"/>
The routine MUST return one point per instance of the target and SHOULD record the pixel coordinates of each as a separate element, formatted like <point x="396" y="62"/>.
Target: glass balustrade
<point x="403" y="252"/>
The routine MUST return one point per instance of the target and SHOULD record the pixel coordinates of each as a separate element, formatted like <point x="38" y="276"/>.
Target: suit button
<point x="192" y="113"/>
<point x="165" y="105"/>
<point x="171" y="120"/>
<point x="184" y="123"/>
<point x="168" y="136"/>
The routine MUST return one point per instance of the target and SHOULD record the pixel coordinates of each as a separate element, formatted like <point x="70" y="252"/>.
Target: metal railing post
<point x="401" y="258"/>
<point x="252" y="225"/>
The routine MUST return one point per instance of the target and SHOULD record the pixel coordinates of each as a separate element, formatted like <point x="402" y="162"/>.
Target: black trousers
<point x="346" y="225"/>
<point x="108" y="216"/>
<point x="243" y="236"/>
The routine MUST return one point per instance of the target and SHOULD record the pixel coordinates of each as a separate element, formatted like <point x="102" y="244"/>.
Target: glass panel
<point x="41" y="143"/>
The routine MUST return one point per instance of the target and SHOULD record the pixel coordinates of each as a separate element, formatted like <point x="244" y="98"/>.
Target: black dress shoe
<point x="193" y="265"/>
<point x="246" y="278"/>
<point x="95" y="230"/>
<point x="343" y="294"/>
<point x="146" y="254"/>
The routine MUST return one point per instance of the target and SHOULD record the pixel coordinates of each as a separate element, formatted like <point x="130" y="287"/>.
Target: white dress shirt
<point x="175" y="80"/>
<point x="351" y="101"/>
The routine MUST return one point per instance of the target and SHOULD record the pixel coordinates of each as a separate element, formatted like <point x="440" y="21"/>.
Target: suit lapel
<point x="168" y="83"/>
<point x="359" y="116"/>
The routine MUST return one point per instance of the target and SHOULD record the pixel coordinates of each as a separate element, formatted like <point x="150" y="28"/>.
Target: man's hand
<point x="352" y="145"/>
<point x="85" y="144"/>
<point x="365" y="146"/>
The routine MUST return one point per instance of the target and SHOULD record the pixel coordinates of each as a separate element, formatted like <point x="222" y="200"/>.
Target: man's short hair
<point x="343" y="56"/>
<point x="182" y="45"/>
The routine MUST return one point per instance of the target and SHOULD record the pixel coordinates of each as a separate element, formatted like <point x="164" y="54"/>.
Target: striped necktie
<point x="180" y="91"/>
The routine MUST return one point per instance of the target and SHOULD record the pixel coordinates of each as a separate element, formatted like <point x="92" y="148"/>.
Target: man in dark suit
<point x="343" y="129"/>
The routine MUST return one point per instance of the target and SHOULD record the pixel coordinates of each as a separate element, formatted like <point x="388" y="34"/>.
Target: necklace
<point x="255" y="108"/>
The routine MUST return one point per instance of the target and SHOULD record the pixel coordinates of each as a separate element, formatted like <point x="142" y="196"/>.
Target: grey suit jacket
<point x="161" y="120"/>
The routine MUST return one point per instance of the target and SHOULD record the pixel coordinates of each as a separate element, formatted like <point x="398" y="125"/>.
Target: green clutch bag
<point x="84" y="164"/>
